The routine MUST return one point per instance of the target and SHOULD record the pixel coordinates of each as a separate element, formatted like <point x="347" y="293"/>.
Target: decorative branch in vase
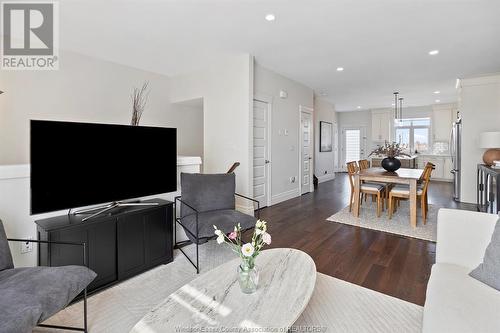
<point x="248" y="274"/>
<point x="139" y="100"/>
<point x="391" y="151"/>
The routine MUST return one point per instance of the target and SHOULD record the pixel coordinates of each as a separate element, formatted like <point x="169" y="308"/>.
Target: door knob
<point x="267" y="161"/>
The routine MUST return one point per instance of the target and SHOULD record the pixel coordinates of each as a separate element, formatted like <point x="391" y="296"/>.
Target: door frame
<point x="310" y="111"/>
<point x="260" y="97"/>
<point x="363" y="143"/>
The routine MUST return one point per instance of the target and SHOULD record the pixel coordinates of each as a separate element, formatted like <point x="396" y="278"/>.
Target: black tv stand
<point x="105" y="208"/>
<point x="121" y="243"/>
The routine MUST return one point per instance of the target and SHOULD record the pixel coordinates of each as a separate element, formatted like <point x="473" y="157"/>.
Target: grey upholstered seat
<point x="213" y="196"/>
<point x="225" y="220"/>
<point x="29" y="295"/>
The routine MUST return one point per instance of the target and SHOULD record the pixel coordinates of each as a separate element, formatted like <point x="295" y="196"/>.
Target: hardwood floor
<point x="391" y="264"/>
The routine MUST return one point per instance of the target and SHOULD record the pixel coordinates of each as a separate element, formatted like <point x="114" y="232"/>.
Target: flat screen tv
<point x="81" y="164"/>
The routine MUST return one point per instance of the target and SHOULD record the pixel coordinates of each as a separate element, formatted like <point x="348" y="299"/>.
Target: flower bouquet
<point x="248" y="273"/>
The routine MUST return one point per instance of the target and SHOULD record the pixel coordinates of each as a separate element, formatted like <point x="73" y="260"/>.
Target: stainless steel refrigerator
<point x="455" y="149"/>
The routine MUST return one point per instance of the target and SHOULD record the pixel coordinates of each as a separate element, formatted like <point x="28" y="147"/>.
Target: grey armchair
<point x="207" y="200"/>
<point x="30" y="295"/>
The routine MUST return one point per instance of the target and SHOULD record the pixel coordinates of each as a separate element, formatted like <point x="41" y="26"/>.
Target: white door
<point x="352" y="145"/>
<point x="306" y="152"/>
<point x="261" y="152"/>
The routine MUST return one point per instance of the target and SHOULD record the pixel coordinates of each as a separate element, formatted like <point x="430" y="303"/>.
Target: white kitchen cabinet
<point x="442" y="119"/>
<point x="381" y="126"/>
<point x="442" y="166"/>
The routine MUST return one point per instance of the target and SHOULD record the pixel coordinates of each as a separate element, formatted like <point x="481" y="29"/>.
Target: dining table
<point x="400" y="176"/>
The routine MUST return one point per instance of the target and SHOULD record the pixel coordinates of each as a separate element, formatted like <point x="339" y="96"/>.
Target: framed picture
<point x="325" y="136"/>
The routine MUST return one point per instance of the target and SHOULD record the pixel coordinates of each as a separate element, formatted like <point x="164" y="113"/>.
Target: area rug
<point x="399" y="224"/>
<point x="336" y="306"/>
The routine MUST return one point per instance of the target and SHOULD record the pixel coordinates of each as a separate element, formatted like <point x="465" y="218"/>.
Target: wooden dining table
<point x="400" y="176"/>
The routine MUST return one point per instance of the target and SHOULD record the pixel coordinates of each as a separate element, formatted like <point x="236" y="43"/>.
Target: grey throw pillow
<point x="489" y="271"/>
<point x="5" y="255"/>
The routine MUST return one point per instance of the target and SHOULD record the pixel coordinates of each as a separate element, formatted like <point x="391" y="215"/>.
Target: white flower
<point x="258" y="224"/>
<point x="266" y="238"/>
<point x="220" y="239"/>
<point x="247" y="250"/>
<point x="258" y="231"/>
<point x="218" y="232"/>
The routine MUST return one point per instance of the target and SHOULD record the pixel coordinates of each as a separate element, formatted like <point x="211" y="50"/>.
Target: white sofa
<point x="455" y="302"/>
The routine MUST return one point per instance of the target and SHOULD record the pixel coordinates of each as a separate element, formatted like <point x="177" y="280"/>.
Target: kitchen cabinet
<point x="442" y="166"/>
<point x="442" y="119"/>
<point x="381" y="126"/>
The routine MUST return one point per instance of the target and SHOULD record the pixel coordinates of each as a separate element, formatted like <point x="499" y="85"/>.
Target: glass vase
<point x="248" y="276"/>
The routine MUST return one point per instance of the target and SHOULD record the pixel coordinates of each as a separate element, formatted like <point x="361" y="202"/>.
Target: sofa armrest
<point x="462" y="236"/>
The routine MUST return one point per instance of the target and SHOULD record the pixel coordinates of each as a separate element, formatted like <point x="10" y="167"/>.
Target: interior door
<point x="261" y="162"/>
<point x="306" y="152"/>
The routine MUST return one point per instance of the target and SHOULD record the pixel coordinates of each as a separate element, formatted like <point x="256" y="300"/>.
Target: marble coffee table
<point x="213" y="302"/>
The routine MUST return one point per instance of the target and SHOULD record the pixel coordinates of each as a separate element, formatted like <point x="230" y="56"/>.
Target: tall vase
<point x="248" y="276"/>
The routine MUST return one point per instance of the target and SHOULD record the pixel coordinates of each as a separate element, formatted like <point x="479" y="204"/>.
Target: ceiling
<point x="383" y="45"/>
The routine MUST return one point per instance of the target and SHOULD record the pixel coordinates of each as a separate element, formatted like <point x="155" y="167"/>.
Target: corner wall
<point x="227" y="92"/>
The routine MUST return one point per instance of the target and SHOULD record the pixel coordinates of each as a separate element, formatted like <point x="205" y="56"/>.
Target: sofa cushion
<point x="489" y="270"/>
<point x="225" y="220"/>
<point x="5" y="255"/>
<point x="455" y="302"/>
<point x="207" y="192"/>
<point x="29" y="295"/>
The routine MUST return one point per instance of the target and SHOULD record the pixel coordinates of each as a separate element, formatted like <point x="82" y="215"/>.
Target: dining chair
<point x="363" y="164"/>
<point x="402" y="191"/>
<point x="419" y="184"/>
<point x="365" y="188"/>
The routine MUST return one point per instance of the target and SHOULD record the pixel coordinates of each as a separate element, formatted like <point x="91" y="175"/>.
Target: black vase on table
<point x="391" y="164"/>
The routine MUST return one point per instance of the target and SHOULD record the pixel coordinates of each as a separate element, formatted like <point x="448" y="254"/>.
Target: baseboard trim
<point x="277" y="198"/>
<point x="325" y="178"/>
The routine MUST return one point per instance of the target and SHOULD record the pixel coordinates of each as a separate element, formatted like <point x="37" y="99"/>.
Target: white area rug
<point x="399" y="224"/>
<point x="336" y="306"/>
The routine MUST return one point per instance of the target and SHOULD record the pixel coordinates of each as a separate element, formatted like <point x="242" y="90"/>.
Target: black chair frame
<point x="181" y="244"/>
<point x="58" y="327"/>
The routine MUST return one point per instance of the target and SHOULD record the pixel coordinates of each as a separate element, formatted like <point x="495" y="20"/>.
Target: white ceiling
<point x="382" y="44"/>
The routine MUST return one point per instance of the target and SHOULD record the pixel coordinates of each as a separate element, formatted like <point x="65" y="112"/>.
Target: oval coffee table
<point x="214" y="299"/>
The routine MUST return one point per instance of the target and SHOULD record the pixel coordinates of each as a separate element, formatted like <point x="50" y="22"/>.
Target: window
<point x="413" y="132"/>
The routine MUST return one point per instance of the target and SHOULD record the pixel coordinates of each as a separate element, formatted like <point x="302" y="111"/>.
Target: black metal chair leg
<point x="197" y="258"/>
<point x="85" y="310"/>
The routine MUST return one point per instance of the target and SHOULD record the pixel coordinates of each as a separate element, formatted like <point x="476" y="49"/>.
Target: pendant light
<point x="396" y="104"/>
<point x="400" y="108"/>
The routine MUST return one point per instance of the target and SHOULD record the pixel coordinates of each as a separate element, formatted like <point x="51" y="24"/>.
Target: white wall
<point x="227" y="91"/>
<point x="89" y="90"/>
<point x="479" y="105"/>
<point x="324" y="161"/>
<point x="284" y="116"/>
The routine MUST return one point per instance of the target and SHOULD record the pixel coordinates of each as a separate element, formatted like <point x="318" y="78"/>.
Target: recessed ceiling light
<point x="437" y="92"/>
<point x="359" y="106"/>
<point x="433" y="52"/>
<point x="340" y="69"/>
<point x="437" y="100"/>
<point x="270" y="17"/>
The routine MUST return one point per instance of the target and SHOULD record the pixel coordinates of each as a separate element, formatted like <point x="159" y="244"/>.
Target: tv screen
<point x="81" y="164"/>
